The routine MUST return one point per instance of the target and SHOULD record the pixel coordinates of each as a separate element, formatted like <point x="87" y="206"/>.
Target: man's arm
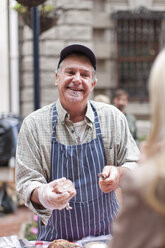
<point x="127" y="155"/>
<point x="29" y="172"/>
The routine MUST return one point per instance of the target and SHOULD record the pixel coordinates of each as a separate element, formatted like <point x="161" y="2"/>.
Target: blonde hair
<point x="157" y="100"/>
<point x="155" y="145"/>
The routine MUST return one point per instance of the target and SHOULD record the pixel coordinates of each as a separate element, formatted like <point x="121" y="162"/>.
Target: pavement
<point x="14" y="223"/>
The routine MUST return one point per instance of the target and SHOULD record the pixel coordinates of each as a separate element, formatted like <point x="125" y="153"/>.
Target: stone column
<point x="4" y="52"/>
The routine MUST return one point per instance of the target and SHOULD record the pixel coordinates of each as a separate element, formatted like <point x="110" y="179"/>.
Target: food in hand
<point x="66" y="186"/>
<point x="102" y="176"/>
<point x="62" y="243"/>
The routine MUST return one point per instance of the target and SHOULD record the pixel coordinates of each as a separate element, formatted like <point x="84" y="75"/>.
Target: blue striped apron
<point x="92" y="210"/>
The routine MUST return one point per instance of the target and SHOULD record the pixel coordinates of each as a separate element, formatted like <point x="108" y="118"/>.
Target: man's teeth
<point x="75" y="89"/>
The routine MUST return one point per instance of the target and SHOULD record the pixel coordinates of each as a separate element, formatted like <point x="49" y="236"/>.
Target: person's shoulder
<point x="131" y="117"/>
<point x="104" y="107"/>
<point x="40" y="113"/>
<point x="109" y="113"/>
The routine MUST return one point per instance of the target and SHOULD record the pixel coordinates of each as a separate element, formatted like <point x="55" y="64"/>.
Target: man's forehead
<point x="76" y="68"/>
<point x="122" y="97"/>
<point x="74" y="61"/>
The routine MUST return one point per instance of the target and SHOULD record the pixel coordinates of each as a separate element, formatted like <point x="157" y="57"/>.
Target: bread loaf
<point x="62" y="243"/>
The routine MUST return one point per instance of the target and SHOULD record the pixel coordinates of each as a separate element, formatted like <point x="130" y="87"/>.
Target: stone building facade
<point x="97" y="24"/>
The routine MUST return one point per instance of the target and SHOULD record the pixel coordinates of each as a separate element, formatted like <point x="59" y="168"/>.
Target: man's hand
<point x="110" y="180"/>
<point x="51" y="198"/>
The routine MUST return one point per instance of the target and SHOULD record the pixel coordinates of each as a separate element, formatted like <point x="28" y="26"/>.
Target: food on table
<point x="95" y="245"/>
<point x="62" y="243"/>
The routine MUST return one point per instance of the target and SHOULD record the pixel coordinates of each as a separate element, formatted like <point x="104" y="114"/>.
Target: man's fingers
<point x="106" y="171"/>
<point x="111" y="172"/>
<point x="73" y="193"/>
<point x="55" y="182"/>
<point x="114" y="173"/>
<point x="62" y="197"/>
<point x="110" y="183"/>
<point x="65" y="196"/>
<point x="60" y="200"/>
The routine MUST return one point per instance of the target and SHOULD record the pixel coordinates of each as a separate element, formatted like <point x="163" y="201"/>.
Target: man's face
<point x="74" y="81"/>
<point x="121" y="102"/>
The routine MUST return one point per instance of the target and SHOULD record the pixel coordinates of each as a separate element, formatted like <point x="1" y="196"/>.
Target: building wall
<point x="80" y="21"/>
<point x="104" y="36"/>
<point x="104" y="42"/>
<point x="74" y="25"/>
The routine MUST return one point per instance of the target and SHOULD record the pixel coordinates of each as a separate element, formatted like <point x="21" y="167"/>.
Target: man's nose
<point x="77" y="77"/>
<point x="121" y="102"/>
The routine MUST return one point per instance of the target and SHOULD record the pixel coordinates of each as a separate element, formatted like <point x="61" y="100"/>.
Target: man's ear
<point x="57" y="79"/>
<point x="93" y="85"/>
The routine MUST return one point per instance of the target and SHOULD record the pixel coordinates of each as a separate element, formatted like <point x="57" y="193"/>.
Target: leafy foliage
<point x="45" y="9"/>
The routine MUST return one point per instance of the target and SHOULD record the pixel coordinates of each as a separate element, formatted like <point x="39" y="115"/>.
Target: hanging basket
<point x="31" y="3"/>
<point x="46" y="22"/>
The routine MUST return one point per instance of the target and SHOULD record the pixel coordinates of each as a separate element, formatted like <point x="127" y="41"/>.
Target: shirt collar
<point x="62" y="113"/>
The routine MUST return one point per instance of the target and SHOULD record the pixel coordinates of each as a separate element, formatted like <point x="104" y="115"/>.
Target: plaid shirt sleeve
<point x="32" y="160"/>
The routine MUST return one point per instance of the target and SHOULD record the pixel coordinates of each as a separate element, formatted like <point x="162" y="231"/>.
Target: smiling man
<point x="63" y="147"/>
<point x="75" y="81"/>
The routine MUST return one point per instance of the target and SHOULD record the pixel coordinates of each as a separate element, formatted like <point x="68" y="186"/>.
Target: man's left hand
<point x="111" y="181"/>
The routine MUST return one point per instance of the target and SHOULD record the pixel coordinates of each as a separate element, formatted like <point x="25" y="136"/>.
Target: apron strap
<point x="54" y="119"/>
<point x="97" y="123"/>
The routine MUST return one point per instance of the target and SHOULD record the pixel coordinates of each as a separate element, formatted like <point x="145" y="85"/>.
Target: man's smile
<point x="74" y="89"/>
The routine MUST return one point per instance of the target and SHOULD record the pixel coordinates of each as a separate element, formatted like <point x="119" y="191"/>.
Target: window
<point x="138" y="43"/>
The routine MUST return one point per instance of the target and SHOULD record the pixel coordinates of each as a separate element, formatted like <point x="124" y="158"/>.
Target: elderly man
<point x="63" y="147"/>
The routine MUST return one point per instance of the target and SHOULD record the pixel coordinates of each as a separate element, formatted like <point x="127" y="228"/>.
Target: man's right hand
<point x="51" y="199"/>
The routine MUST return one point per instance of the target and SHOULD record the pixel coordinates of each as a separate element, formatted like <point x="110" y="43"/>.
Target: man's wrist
<point x="34" y="196"/>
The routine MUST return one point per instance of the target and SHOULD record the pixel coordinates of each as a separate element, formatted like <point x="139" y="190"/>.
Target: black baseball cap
<point x="77" y="48"/>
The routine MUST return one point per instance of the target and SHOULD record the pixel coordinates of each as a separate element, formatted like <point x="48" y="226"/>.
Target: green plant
<point x="44" y="9"/>
<point x="31" y="229"/>
<point x="142" y="138"/>
<point x="20" y="8"/>
<point x="48" y="15"/>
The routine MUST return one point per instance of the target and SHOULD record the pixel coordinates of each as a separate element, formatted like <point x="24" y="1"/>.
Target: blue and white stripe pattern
<point x="92" y="210"/>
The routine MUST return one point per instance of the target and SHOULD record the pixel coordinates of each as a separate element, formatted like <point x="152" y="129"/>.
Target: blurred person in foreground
<point x="120" y="101"/>
<point x="63" y="147"/>
<point x="141" y="222"/>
